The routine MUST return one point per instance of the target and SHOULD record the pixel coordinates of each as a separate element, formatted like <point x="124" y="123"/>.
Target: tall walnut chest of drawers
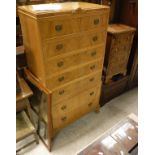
<point x="118" y="47"/>
<point x="65" y="47"/>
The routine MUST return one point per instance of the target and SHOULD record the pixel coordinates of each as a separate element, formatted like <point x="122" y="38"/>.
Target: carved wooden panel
<point x="119" y="46"/>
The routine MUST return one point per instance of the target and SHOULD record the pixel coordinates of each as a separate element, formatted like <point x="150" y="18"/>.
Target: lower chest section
<point x="75" y="107"/>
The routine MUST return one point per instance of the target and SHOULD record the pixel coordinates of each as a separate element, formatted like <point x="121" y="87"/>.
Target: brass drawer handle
<point x="63" y="107"/>
<point x="93" y="53"/>
<point x="95" y="38"/>
<point x="91" y="93"/>
<point x="61" y="78"/>
<point x="63" y="118"/>
<point x="92" y="67"/>
<point x="58" y="28"/>
<point x="59" y="46"/>
<point x="61" y="92"/>
<point x="92" y="79"/>
<point x="60" y="64"/>
<point x="90" y="104"/>
<point x="96" y="21"/>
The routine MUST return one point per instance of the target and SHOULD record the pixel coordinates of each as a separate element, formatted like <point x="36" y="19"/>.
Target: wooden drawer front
<point x="70" y="24"/>
<point x="97" y="20"/>
<point x="58" y="26"/>
<point x="76" y="87"/>
<point x="93" y="39"/>
<point x="58" y="80"/>
<point x="55" y="47"/>
<point x="69" y="117"/>
<point x="64" y="45"/>
<point x="61" y="63"/>
<point x="69" y="110"/>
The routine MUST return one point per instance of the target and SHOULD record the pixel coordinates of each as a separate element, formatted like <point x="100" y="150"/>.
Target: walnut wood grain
<point x="65" y="54"/>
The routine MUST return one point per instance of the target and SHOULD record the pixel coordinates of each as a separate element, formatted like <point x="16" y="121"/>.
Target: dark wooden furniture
<point x="128" y="14"/>
<point x="24" y="123"/>
<point x="113" y="89"/>
<point x="19" y="37"/>
<point x="118" y="47"/>
<point x="113" y="9"/>
<point x="20" y="60"/>
<point x="122" y="139"/>
<point x="18" y="88"/>
<point x="133" y="78"/>
<point x="125" y="12"/>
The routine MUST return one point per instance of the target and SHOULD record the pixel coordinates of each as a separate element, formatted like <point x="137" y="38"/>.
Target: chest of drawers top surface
<point x="51" y="9"/>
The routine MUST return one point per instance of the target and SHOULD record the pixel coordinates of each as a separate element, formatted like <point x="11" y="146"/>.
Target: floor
<point x="76" y="136"/>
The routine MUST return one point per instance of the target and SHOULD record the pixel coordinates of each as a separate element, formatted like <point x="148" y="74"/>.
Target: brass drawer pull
<point x="93" y="53"/>
<point x="61" y="92"/>
<point x="58" y="28"/>
<point x="61" y="78"/>
<point x="95" y="38"/>
<point x="63" y="107"/>
<point x="63" y="118"/>
<point x="90" y="104"/>
<point x="91" y="93"/>
<point x="92" y="67"/>
<point x="96" y="21"/>
<point x="60" y="64"/>
<point x="59" y="46"/>
<point x="92" y="79"/>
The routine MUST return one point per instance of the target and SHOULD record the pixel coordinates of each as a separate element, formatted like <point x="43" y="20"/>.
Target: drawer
<point x="54" y="47"/>
<point x="93" y="39"/>
<point x="59" y="64"/>
<point x="61" y="79"/>
<point x="76" y="87"/>
<point x="96" y="20"/>
<point x="58" y="26"/>
<point x="63" y="45"/>
<point x="69" y="110"/>
<point x="66" y="118"/>
<point x="69" y="24"/>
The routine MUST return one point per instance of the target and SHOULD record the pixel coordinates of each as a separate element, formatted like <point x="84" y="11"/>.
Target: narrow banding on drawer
<point x="76" y="87"/>
<point x="63" y="45"/>
<point x="60" y="79"/>
<point x="66" y="112"/>
<point x="71" y="24"/>
<point x="63" y="63"/>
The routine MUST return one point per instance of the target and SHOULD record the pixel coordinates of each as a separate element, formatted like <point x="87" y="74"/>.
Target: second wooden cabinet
<point x="119" y="43"/>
